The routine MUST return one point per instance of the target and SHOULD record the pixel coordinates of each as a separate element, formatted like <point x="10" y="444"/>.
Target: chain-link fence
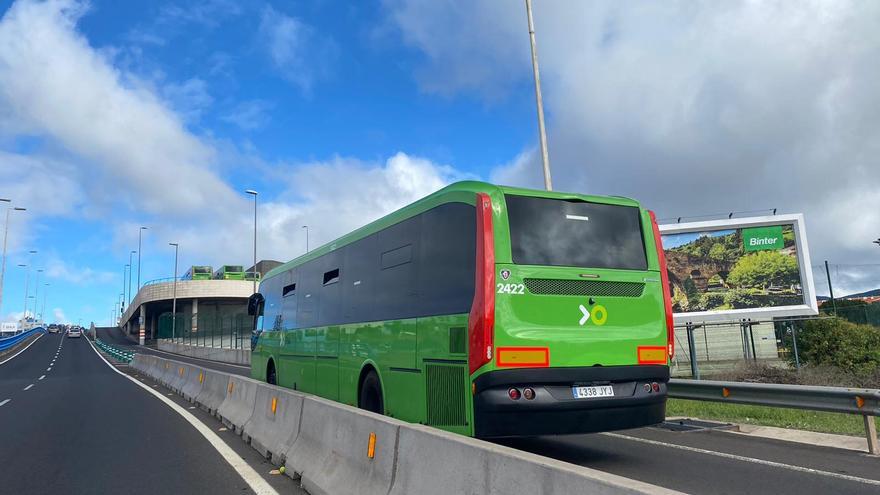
<point x="207" y="330"/>
<point x="865" y="314"/>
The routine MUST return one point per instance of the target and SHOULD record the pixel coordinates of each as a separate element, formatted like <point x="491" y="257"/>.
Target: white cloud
<point x="59" y="315"/>
<point x="56" y="268"/>
<point x="692" y="108"/>
<point x="300" y="53"/>
<point x="55" y="87"/>
<point x="249" y="115"/>
<point x="189" y="98"/>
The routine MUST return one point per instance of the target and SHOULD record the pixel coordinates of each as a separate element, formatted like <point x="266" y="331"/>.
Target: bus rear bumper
<point x="555" y="411"/>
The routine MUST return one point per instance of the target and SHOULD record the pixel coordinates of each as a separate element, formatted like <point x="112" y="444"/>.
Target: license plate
<point x="592" y="392"/>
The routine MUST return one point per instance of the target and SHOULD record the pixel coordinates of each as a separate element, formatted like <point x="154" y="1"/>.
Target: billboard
<point x="727" y="270"/>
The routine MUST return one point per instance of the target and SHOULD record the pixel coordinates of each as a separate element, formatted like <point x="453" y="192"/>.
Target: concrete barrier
<point x="193" y="380"/>
<point x="238" y="406"/>
<point x="332" y="453"/>
<point x="275" y="422"/>
<point x="233" y="356"/>
<point x="213" y="392"/>
<point x="436" y="462"/>
<point x="337" y="449"/>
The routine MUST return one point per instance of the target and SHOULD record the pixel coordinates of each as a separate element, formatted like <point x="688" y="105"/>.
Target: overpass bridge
<point x="141" y="319"/>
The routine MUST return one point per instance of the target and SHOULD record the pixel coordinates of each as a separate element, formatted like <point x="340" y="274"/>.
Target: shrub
<point x="841" y="344"/>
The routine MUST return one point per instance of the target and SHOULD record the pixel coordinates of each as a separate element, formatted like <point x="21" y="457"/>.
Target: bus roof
<point x="458" y="191"/>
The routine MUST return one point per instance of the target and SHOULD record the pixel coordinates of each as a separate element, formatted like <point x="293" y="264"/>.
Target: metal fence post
<point x="871" y="434"/>
<point x="797" y="359"/>
<point x="752" y="338"/>
<point x="692" y="351"/>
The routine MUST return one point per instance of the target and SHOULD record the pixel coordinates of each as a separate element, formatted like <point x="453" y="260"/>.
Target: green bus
<point x="252" y="276"/>
<point x="229" y="272"/>
<point x="484" y="310"/>
<point x="195" y="272"/>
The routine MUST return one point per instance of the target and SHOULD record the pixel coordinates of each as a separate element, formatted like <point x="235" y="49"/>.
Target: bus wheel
<point x="270" y="374"/>
<point x="371" y="394"/>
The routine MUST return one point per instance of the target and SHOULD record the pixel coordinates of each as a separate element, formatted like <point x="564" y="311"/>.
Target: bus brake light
<point x="664" y="280"/>
<point x="481" y="321"/>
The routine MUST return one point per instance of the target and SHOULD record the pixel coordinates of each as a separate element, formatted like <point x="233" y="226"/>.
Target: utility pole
<point x="545" y="156"/>
<point x="830" y="290"/>
<point x="174" y="296"/>
<point x="254" y="194"/>
<point x="140" y="231"/>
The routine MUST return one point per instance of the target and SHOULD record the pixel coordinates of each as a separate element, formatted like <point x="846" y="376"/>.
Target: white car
<point x="74" y="332"/>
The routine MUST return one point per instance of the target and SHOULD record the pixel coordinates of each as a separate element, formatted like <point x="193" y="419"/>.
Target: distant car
<point x="74" y="332"/>
<point x="53" y="328"/>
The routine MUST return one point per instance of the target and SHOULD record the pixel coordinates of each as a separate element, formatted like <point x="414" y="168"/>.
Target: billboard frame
<point x="796" y="220"/>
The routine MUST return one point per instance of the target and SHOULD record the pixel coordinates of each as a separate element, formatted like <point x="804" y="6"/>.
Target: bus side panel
<point x="327" y="362"/>
<point x="443" y="391"/>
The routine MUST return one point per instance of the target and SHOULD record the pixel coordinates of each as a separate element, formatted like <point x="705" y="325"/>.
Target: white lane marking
<point x="40" y="378"/>
<point x="199" y="359"/>
<point x="247" y="473"/>
<point x="29" y="386"/>
<point x="19" y="352"/>
<point x="725" y="455"/>
<point x="4" y="402"/>
<point x="49" y="368"/>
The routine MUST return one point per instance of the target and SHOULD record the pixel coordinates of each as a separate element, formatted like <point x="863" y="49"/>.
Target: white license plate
<point x="592" y="392"/>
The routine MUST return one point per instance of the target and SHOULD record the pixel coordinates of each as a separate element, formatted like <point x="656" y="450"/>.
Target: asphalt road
<point x="70" y="424"/>
<point x="698" y="462"/>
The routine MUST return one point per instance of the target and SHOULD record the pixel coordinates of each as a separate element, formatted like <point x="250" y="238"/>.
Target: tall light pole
<point x="254" y="194"/>
<point x="545" y="156"/>
<point x="5" y="235"/>
<point x="129" y="276"/>
<point x="124" y="269"/>
<point x="174" y="294"/>
<point x="140" y="231"/>
<point x="24" y="316"/>
<point x="307" y="237"/>
<point x="45" y="293"/>
<point x="37" y="291"/>
<point x="27" y="279"/>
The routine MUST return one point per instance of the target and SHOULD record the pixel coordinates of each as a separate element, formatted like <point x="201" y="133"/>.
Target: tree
<point x="764" y="268"/>
<point x="718" y="252"/>
<point x="690" y="290"/>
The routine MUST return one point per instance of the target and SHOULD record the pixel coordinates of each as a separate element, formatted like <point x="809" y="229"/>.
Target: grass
<point x="824" y="422"/>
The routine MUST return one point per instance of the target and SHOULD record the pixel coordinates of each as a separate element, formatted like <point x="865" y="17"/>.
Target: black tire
<point x="370" y="397"/>
<point x="271" y="377"/>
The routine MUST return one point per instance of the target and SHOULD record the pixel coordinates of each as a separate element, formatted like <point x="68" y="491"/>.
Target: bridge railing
<point x="6" y="343"/>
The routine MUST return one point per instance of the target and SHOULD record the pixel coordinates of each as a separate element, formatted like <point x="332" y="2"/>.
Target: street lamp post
<point x="43" y="309"/>
<point x="24" y="316"/>
<point x="129" y="276"/>
<point x="174" y="294"/>
<point x="545" y="156"/>
<point x="307" y="237"/>
<point x="5" y="235"/>
<point x="27" y="281"/>
<point x="37" y="291"/>
<point x="140" y="231"/>
<point x="124" y="270"/>
<point x="254" y="194"/>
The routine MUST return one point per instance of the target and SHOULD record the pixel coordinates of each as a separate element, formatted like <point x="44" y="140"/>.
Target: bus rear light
<point x="655" y="386"/>
<point x="481" y="321"/>
<point x="513" y="394"/>
<point x="664" y="280"/>
<point x="528" y="393"/>
<point x="647" y="387"/>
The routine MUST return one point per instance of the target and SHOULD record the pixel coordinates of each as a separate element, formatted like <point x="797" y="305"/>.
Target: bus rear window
<point x="574" y="233"/>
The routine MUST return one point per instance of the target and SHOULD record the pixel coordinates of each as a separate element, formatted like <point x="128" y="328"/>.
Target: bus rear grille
<point x="447" y="385"/>
<point x="557" y="287"/>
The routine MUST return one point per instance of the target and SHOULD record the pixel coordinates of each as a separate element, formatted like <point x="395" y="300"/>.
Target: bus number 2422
<point x="511" y="289"/>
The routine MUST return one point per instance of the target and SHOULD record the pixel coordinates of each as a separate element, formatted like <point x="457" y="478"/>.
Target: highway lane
<point x="709" y="461"/>
<point x="84" y="428"/>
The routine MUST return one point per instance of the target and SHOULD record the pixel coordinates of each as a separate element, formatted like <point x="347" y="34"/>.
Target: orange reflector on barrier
<point x="860" y="402"/>
<point x="523" y="357"/>
<point x="201" y="377"/>
<point x="371" y="447"/>
<point x="180" y="371"/>
<point x="274" y="404"/>
<point x="725" y="391"/>
<point x="230" y="387"/>
<point x="652" y="355"/>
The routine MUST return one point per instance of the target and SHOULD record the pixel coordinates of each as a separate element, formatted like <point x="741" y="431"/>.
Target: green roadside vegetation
<point x="823" y="422"/>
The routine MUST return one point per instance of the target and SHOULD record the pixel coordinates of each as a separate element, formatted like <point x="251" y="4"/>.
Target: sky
<point x="117" y="115"/>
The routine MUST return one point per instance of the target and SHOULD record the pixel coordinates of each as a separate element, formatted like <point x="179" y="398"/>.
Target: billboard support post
<point x="752" y="338"/>
<point x="797" y="359"/>
<point x="692" y="350"/>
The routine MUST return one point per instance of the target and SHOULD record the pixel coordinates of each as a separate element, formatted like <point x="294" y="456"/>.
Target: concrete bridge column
<point x="142" y="324"/>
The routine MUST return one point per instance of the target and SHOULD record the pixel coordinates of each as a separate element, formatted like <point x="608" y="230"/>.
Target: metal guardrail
<point x="861" y="401"/>
<point x="15" y="339"/>
<point x="117" y="354"/>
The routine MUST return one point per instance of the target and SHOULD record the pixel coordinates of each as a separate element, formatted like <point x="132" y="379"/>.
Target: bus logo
<point x="599" y="315"/>
<point x="505" y="274"/>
